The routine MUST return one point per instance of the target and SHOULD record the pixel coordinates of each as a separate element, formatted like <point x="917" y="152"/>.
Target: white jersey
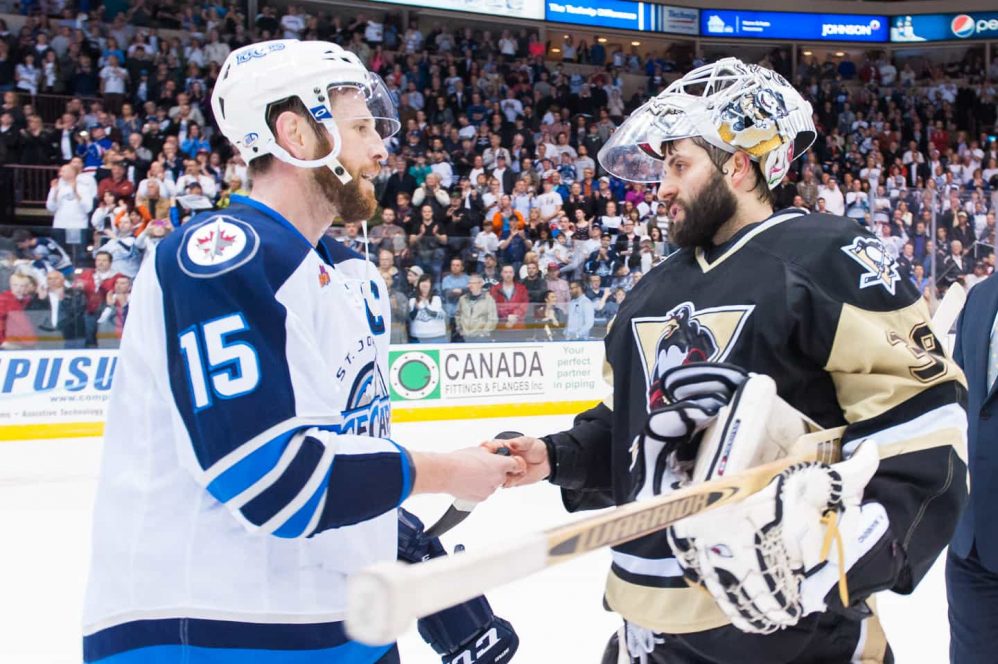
<point x="247" y="467"/>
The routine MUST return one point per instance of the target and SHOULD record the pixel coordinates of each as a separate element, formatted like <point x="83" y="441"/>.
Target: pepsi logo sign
<point x="963" y="26"/>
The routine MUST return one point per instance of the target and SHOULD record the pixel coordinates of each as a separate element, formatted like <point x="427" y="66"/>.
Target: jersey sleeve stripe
<point x="305" y="519"/>
<point x="319" y="476"/>
<point x="287" y="486"/>
<point x="407" y="477"/>
<point x="250" y="469"/>
<point x="362" y="486"/>
<point x="284" y="429"/>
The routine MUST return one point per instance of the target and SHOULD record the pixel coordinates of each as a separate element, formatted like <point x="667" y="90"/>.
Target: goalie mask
<point x="332" y="84"/>
<point x="731" y="105"/>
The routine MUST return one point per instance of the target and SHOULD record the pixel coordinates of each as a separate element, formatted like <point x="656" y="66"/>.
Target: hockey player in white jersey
<point x="248" y="466"/>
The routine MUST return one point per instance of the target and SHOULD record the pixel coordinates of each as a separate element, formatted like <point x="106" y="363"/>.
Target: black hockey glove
<point x="682" y="403"/>
<point x="463" y="634"/>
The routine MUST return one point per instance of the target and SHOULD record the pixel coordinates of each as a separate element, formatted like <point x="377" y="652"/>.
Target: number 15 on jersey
<point x="217" y="366"/>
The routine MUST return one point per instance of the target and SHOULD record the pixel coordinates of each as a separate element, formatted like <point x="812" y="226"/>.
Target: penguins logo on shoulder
<point x="216" y="246"/>
<point x="881" y="268"/>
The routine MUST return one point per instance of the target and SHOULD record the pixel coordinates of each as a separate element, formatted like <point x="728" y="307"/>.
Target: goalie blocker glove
<point x="468" y="633"/>
<point x="683" y="402"/>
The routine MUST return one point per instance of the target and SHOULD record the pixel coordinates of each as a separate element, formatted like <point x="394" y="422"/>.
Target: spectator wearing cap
<point x="550" y="202"/>
<point x="962" y="230"/>
<point x="476" y="317"/>
<point x="490" y="271"/>
<point x="412" y="275"/>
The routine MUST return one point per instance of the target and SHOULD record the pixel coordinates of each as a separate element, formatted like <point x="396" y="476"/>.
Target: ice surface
<point x="47" y="490"/>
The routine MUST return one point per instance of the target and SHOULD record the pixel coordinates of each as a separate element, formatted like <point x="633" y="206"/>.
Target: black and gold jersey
<point x="817" y="304"/>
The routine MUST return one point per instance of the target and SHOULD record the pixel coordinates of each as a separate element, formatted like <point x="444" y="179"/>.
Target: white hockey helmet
<point x="731" y="105"/>
<point x="255" y="76"/>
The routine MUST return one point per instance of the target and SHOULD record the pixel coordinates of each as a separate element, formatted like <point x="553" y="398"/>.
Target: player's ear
<point x="739" y="169"/>
<point x="291" y="131"/>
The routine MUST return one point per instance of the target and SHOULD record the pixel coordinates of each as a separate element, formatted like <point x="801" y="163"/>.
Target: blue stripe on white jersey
<point x="195" y="640"/>
<point x="234" y="386"/>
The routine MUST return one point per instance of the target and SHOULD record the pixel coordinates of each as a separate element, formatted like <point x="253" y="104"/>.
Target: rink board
<point x="56" y="394"/>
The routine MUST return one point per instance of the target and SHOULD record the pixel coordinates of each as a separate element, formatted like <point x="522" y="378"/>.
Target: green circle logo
<point x="414" y="375"/>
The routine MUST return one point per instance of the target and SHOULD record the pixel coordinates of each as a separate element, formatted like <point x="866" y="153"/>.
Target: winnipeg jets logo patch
<point x="216" y="246"/>
<point x="880" y="267"/>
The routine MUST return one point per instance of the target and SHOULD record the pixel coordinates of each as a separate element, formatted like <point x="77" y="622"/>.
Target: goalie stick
<point x="947" y="312"/>
<point x="383" y="599"/>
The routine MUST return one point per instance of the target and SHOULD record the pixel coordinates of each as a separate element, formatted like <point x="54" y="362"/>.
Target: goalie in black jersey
<point x="818" y="304"/>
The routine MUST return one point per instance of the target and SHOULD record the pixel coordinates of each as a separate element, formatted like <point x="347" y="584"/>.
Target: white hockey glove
<point x="769" y="560"/>
<point x="682" y="404"/>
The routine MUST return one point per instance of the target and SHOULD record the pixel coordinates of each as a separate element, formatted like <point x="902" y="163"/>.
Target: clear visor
<point x="366" y="103"/>
<point x="633" y="152"/>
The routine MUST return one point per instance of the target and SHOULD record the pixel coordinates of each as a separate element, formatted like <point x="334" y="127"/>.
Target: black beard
<point x="707" y="211"/>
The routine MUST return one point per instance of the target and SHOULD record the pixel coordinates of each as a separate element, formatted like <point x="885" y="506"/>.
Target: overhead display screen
<point x="792" y="25"/>
<point x="944" y="27"/>
<point x="513" y="8"/>
<point x="624" y="15"/>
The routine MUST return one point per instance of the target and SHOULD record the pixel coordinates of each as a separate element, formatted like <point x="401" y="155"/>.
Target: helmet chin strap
<point x="330" y="161"/>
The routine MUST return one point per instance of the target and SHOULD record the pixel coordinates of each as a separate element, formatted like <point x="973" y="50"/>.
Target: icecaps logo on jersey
<point x="881" y="268"/>
<point x="685" y="335"/>
<point x="220" y="244"/>
<point x="368" y="409"/>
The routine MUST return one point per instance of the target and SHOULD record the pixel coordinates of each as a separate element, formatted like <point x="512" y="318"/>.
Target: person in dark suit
<point x="400" y="181"/>
<point x="972" y="561"/>
<point x="64" y="311"/>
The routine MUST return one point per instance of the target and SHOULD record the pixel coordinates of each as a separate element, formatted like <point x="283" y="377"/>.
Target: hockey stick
<point x="460" y="509"/>
<point x="383" y="599"/>
<point x="947" y="312"/>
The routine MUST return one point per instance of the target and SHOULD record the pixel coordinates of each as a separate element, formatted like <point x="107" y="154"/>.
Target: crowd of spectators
<point x="495" y="219"/>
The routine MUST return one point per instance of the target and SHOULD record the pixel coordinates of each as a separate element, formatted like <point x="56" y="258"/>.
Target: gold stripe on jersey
<point x="949" y="437"/>
<point x="765" y="226"/>
<point x="608" y="378"/>
<point x="667" y="610"/>
<point x="881" y="359"/>
<point x="874" y="639"/>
